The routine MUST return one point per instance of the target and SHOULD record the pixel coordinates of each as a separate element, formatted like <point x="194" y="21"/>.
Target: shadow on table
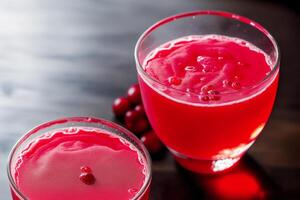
<point x="247" y="180"/>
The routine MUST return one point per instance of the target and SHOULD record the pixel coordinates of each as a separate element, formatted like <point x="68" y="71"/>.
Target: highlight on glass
<point x="208" y="81"/>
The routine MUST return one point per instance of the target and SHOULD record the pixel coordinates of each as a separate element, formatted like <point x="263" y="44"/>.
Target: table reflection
<point x="247" y="180"/>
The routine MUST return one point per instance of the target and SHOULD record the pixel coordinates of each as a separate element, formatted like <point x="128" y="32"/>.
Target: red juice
<point x="52" y="166"/>
<point x="207" y="100"/>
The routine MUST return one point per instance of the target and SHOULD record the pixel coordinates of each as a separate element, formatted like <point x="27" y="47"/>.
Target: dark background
<point x="73" y="57"/>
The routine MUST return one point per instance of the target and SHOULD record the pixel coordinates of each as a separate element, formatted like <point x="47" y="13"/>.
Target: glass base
<point x="205" y="166"/>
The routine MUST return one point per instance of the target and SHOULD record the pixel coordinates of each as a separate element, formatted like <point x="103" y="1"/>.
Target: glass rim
<point x="216" y="13"/>
<point x="95" y="120"/>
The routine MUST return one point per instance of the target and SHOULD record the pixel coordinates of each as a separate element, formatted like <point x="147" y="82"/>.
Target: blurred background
<point x="74" y="57"/>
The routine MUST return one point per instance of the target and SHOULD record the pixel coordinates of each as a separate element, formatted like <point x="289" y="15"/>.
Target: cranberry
<point x="86" y="169"/>
<point x="140" y="110"/>
<point x="152" y="143"/>
<point x="136" y="122"/>
<point x="87" y="178"/>
<point x="134" y="94"/>
<point x="120" y="106"/>
<point x="140" y="126"/>
<point x="131" y="117"/>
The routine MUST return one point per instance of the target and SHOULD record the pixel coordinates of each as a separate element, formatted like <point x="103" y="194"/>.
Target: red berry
<point x="120" y="106"/>
<point x="86" y="169"/>
<point x="140" y="126"/>
<point x="136" y="122"/>
<point x="131" y="117"/>
<point x="152" y="143"/>
<point x="140" y="110"/>
<point x="134" y="94"/>
<point x="87" y="178"/>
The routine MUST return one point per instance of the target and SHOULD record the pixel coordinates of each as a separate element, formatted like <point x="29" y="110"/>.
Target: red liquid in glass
<point x="203" y="109"/>
<point x="49" y="168"/>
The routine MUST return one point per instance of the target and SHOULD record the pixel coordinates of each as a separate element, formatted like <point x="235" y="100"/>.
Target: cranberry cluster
<point x="130" y="111"/>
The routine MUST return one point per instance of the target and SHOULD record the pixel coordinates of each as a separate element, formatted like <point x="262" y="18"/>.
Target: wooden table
<point x="73" y="57"/>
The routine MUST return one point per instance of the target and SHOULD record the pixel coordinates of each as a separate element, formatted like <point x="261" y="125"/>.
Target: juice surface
<point x="211" y="101"/>
<point x="49" y="168"/>
<point x="207" y="66"/>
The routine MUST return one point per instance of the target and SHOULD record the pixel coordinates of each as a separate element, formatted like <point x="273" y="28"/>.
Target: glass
<point x="82" y="122"/>
<point x="207" y="138"/>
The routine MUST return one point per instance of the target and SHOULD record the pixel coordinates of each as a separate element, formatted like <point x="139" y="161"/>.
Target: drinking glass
<point x="83" y="122"/>
<point x="207" y="137"/>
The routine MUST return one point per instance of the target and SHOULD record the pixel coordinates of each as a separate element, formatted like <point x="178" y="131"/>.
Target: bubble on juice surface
<point x="220" y="58"/>
<point x="161" y="88"/>
<point x="241" y="64"/>
<point x="208" y="64"/>
<point x="200" y="59"/>
<point x="214" y="95"/>
<point x="189" y="91"/>
<point x="202" y="79"/>
<point x="236" y="77"/>
<point x="226" y="83"/>
<point x="132" y="191"/>
<point x="206" y="88"/>
<point x="71" y="130"/>
<point x="190" y="68"/>
<point x="236" y="85"/>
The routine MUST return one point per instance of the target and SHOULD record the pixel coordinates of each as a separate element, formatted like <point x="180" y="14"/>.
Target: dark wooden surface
<point x="73" y="57"/>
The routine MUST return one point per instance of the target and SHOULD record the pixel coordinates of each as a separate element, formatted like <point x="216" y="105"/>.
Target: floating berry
<point x="152" y="143"/>
<point x="87" y="178"/>
<point x="134" y="94"/>
<point x="120" y="106"/>
<point x="86" y="169"/>
<point x="140" y="110"/>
